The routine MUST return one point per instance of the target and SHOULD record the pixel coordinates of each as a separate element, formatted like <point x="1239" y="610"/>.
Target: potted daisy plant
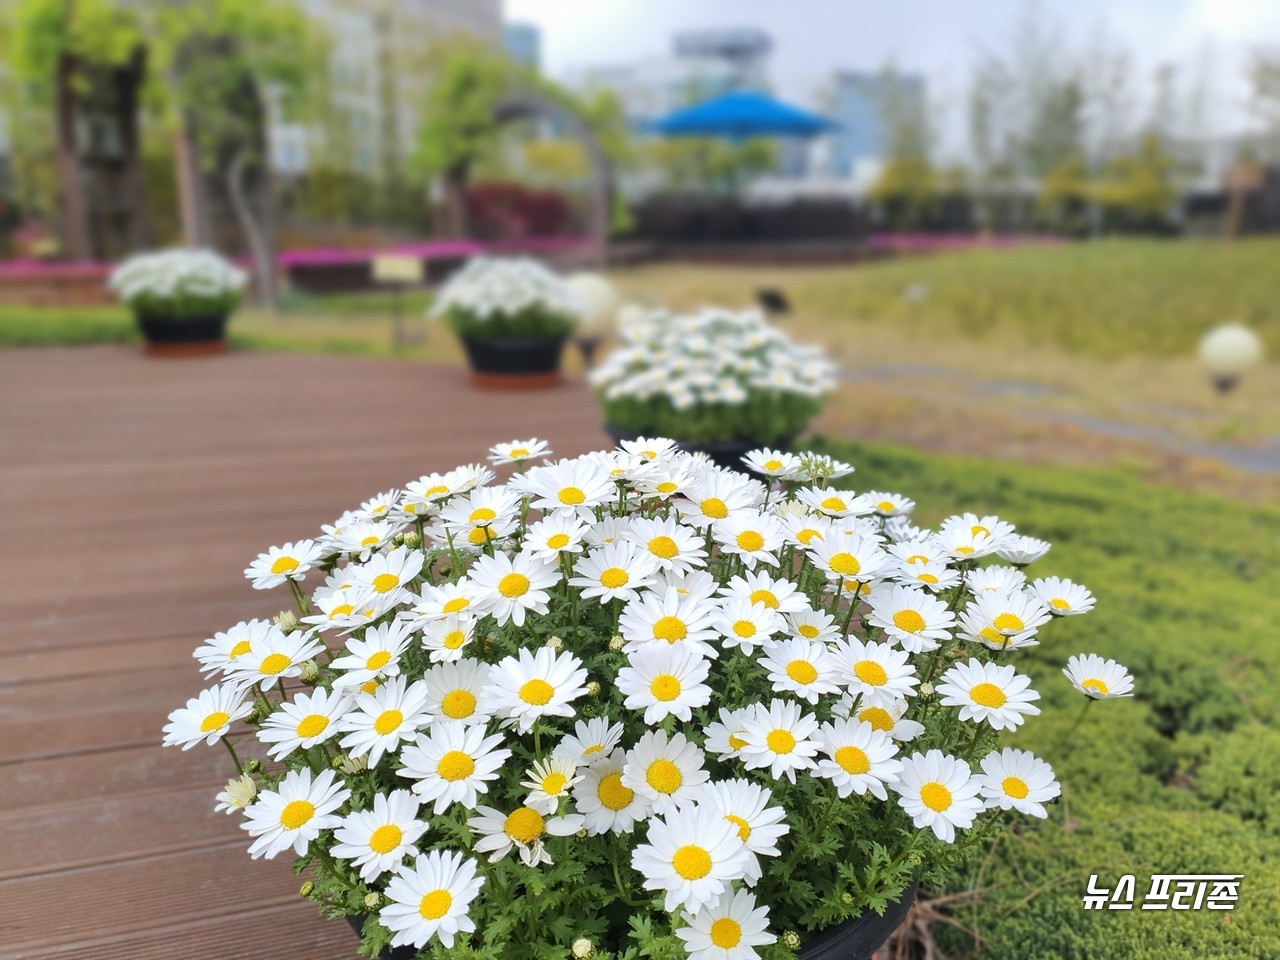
<point x="633" y="704"/>
<point x="513" y="316"/>
<point x="180" y="298"/>
<point x="720" y="381"/>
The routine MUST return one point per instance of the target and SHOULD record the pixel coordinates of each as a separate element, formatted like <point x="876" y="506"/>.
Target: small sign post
<point x="400" y="273"/>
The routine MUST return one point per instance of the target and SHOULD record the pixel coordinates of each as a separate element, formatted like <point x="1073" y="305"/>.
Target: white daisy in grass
<point x="303" y="722"/>
<point x="1022" y="550"/>
<point x="379" y="505"/>
<point x="858" y="758"/>
<point x="570" y="485"/>
<point x="389" y="574"/>
<point x="750" y="535"/>
<point x="670" y="618"/>
<point x="992" y="692"/>
<point x="780" y="737"/>
<point x="236" y="795"/>
<point x="1004" y="621"/>
<point x="939" y="793"/>
<point x="933" y="576"/>
<point x="375" y="656"/>
<point x="549" y="782"/>
<point x="535" y="684"/>
<point x="220" y="652"/>
<point x="802" y="667"/>
<point x="616" y="571"/>
<point x="523" y="829"/>
<point x="692" y="856"/>
<point x="445" y="600"/>
<point x="716" y="495"/>
<point x="509" y="588"/>
<point x="1063" y="598"/>
<point x="607" y="804"/>
<point x="1017" y="780"/>
<point x="347" y="608"/>
<point x="830" y="502"/>
<point x="551" y="537"/>
<point x="363" y="538"/>
<point x="288" y="562"/>
<point x="888" y="717"/>
<point x="812" y="625"/>
<point x="650" y="448"/>
<point x="453" y="763"/>
<point x="729" y="929"/>
<point x="775" y="593"/>
<point x="746" y="625"/>
<point x="775" y="464"/>
<point x="591" y="741"/>
<point x="913" y="618"/>
<point x="820" y="468"/>
<point x="857" y="559"/>
<point x="746" y="806"/>
<point x="1098" y="678"/>
<point x="430" y="899"/>
<point x="666" y="771"/>
<point x="921" y="551"/>
<point x="725" y="736"/>
<point x="889" y="504"/>
<point x="665" y="680"/>
<point x="518" y="452"/>
<point x="207" y="717"/>
<point x="379" y="839"/>
<point x="274" y="656"/>
<point x="385" y="718"/>
<point x="454" y="691"/>
<point x="879" y="672"/>
<point x="446" y="640"/>
<point x="804" y="529"/>
<point x="294" y="813"/>
<point x="672" y="545"/>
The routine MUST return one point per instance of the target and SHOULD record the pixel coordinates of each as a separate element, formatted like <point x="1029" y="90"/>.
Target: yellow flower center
<point x="714" y="508"/>
<point x="744" y="828"/>
<point x="744" y="629"/>
<point x="455" y="765"/>
<point x="385" y="582"/>
<point x="1059" y="604"/>
<point x="1093" y="683"/>
<point x="238" y="649"/>
<point x="388" y="722"/>
<point x="870" y="672"/>
<point x="513" y="585"/>
<point x="274" y="663"/>
<point x="664" y="776"/>
<point x="988" y="695"/>
<point x="214" y="720"/>
<point x="341" y="610"/>
<point x="284" y="565"/>
<point x="886" y="506"/>
<point x="296" y="814"/>
<point x="435" y="491"/>
<point x="670" y="629"/>
<point x="852" y="760"/>
<point x="481" y="515"/>
<point x="773" y="465"/>
<point x="612" y="793"/>
<point x="458" y="704"/>
<point x="435" y="904"/>
<point x="736" y="742"/>
<point x="845" y="564"/>
<point x="369" y="542"/>
<point x="517" y="453"/>
<point x="537" y="692"/>
<point x="991" y="636"/>
<point x="766" y="597"/>
<point x="369" y="686"/>
<point x="806" y="535"/>
<point x="385" y="838"/>
<point x="379" y="659"/>
<point x="1015" y="787"/>
<point x="878" y="717"/>
<point x="1008" y="623"/>
<point x="692" y="862"/>
<point x="908" y="621"/>
<point x="726" y="933"/>
<point x="558" y="540"/>
<point x="935" y="796"/>
<point x="834" y="504"/>
<point x="807" y="630"/>
<point x="525" y="825"/>
<point x="802" y="671"/>
<point x="479" y="536"/>
<point x="750" y="541"/>
<point x="553" y="783"/>
<point x="572" y="496"/>
<point x="780" y="741"/>
<point x="594" y="748"/>
<point x="454" y="639"/>
<point x="978" y="528"/>
<point x="665" y="687"/>
<point x="927" y="578"/>
<point x="666" y="486"/>
<point x="456" y="605"/>
<point x="312" y="725"/>
<point x="663" y="547"/>
<point x="613" y="578"/>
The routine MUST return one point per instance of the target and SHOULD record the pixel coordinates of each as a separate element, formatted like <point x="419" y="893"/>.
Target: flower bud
<point x="352" y="764"/>
<point x="372" y="901"/>
<point x="846" y="897"/>
<point x="555" y="643"/>
<point x="791" y="939"/>
<point x="286" y="620"/>
<point x="397" y="539"/>
<point x="583" y="948"/>
<point x="306" y="888"/>
<point x="926" y="689"/>
<point x="413" y="540"/>
<point x="253" y="765"/>
<point x="593" y="689"/>
<point x="615" y="643"/>
<point x="309" y="671"/>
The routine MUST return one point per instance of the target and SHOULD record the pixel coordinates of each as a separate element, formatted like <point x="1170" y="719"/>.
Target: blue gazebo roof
<point x="741" y="115"/>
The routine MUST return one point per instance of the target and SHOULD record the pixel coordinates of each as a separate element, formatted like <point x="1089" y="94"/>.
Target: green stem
<point x="234" y="759"/>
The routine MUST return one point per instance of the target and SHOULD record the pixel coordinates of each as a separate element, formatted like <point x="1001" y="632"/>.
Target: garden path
<point x="133" y="492"/>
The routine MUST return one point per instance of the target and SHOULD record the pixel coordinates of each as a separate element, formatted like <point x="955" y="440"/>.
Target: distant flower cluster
<point x="178" y="282"/>
<point x="500" y="292"/>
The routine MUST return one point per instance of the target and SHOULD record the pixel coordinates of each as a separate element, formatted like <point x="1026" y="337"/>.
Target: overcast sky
<point x="939" y="38"/>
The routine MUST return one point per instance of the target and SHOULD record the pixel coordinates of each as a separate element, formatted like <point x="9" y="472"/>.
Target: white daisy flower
<point x="445" y="640"/>
<point x="570" y="485"/>
<point x="805" y="668"/>
<point x="1098" y="678"/>
<point x="518" y="451"/>
<point x="934" y="576"/>
<point x="726" y="736"/>
<point x="220" y="652"/>
<point x="803" y="529"/>
<point x="938" y="792"/>
<point x="454" y="690"/>
<point x="671" y="618"/>
<point x="549" y="782"/>
<point x="1022" y="550"/>
<point x="375" y="656"/>
<point x="430" y="899"/>
<point x="812" y="625"/>
<point x="1062" y="597"/>
<point x="750" y="535"/>
<point x="1017" y="780"/>
<point x="975" y="526"/>
<point x="363" y="538"/>
<point x="1004" y="621"/>
<point x="536" y="684"/>
<point x="848" y="558"/>
<point x="236" y="795"/>
<point x="911" y="618"/>
<point x="650" y="448"/>
<point x="665" y="680"/>
<point x="746" y="806"/>
<point x="591" y="741"/>
<point x="992" y="692"/>
<point x="889" y="504"/>
<point x="207" y="716"/>
<point x="692" y="856"/>
<point x="616" y="571"/>
<point x="888" y="717"/>
<point x="772" y="463"/>
<point x="445" y="600"/>
<point x="301" y="723"/>
<point x="878" y="672"/>
<point x="288" y="562"/>
<point x="388" y="574"/>
<point x="379" y="505"/>
<point x="715" y="495"/>
<point x="453" y="763"/>
<point x="999" y="580"/>
<point x="274" y="656"/>
<point x="746" y="625"/>
<point x="378" y="840"/>
<point x="493" y="510"/>
<point x="384" y="719"/>
<point x="859" y="758"/>
<point x="553" y="536"/>
<point x="606" y="531"/>
<point x="510" y="588"/>
<point x="672" y="545"/>
<point x="819" y="468"/>
<point x="347" y="608"/>
<point x="665" y="771"/>
<point x="780" y="737"/>
<point x="524" y="829"/>
<point x="759" y="587"/>
<point x="667" y="479"/>
<point x="918" y="551"/>
<point x="830" y="502"/>
<point x="729" y="929"/>
<point x="607" y="804"/>
<point x="295" y="813"/>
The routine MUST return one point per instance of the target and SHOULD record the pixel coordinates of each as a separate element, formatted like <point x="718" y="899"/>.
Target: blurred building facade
<point x="523" y="42"/>
<point x="867" y="106"/>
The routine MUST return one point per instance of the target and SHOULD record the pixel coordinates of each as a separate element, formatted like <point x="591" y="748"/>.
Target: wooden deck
<point x="133" y="492"/>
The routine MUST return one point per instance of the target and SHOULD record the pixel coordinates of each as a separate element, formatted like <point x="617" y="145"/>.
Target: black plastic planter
<point x="186" y="337"/>
<point x="514" y="364"/>
<point x="723" y="453"/>
<point x="861" y="936"/>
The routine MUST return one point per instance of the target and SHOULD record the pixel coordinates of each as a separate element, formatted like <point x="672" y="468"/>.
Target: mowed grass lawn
<point x="1184" y="777"/>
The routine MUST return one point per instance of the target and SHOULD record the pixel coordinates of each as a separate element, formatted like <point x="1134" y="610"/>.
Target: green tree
<point x="1137" y="190"/>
